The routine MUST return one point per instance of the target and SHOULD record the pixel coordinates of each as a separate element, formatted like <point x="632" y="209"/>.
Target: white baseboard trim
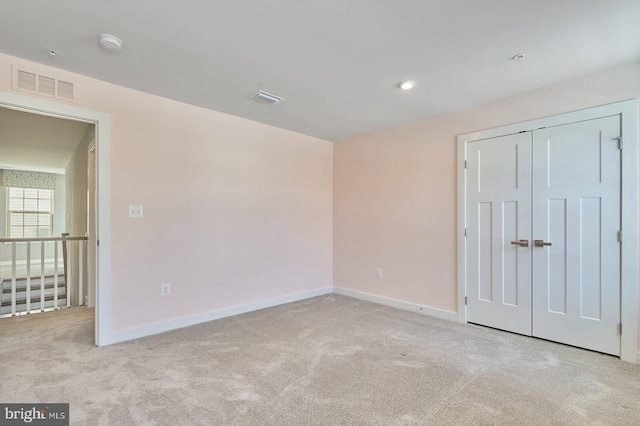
<point x="399" y="304"/>
<point x="161" y="327"/>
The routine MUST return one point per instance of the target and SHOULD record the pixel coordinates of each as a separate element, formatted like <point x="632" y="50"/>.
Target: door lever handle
<point x="540" y="243"/>
<point x="521" y="243"/>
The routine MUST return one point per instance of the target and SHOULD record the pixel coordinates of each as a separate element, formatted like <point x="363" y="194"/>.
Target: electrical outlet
<point x="379" y="273"/>
<point x="135" y="211"/>
<point x="165" y="289"/>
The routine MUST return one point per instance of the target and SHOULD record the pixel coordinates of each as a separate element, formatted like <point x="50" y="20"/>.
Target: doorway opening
<point x="43" y="219"/>
<point x="85" y="208"/>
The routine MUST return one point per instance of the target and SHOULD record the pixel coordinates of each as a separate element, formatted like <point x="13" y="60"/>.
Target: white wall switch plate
<point x="135" y="211"/>
<point x="379" y="273"/>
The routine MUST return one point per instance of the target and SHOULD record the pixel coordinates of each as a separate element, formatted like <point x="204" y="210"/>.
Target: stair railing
<point x="28" y="308"/>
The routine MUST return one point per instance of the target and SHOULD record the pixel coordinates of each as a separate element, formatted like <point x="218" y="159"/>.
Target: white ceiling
<point x="337" y="62"/>
<point x="37" y="142"/>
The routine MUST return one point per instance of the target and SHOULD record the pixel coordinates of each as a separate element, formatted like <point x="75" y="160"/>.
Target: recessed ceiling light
<point x="52" y="52"/>
<point x="518" y="57"/>
<point x="110" y="42"/>
<point x="406" y="85"/>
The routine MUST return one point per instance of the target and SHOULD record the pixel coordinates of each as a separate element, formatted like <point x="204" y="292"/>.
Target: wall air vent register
<point x="51" y="87"/>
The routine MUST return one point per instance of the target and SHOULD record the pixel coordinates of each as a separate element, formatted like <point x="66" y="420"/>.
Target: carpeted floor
<point x="329" y="360"/>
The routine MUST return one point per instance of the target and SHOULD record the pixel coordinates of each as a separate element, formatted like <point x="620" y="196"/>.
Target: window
<point x="30" y="212"/>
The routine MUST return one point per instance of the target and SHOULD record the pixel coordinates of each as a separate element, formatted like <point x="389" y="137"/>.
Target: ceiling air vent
<point x="266" y="98"/>
<point x="48" y="86"/>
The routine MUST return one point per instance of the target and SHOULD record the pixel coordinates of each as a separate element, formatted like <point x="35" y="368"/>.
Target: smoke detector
<point x="110" y="42"/>
<point x="267" y="98"/>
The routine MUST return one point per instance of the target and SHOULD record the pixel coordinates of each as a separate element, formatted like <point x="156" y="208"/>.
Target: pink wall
<point x="395" y="190"/>
<point x="235" y="211"/>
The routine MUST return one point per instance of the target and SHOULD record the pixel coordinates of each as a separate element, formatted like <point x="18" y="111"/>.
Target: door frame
<point x="629" y="291"/>
<point x="91" y="226"/>
<point x="102" y="122"/>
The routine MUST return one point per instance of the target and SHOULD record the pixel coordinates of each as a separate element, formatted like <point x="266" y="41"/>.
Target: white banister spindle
<point x="42" y="276"/>
<point x="28" y="277"/>
<point x="13" y="278"/>
<point x="66" y="274"/>
<point x="80" y="271"/>
<point x="55" y="275"/>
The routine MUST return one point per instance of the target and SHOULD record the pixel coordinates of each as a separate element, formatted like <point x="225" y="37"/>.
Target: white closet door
<point x="499" y="213"/>
<point x="576" y="209"/>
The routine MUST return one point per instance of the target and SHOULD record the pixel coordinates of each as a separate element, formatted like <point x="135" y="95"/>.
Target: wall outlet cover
<point x="165" y="289"/>
<point x="135" y="211"/>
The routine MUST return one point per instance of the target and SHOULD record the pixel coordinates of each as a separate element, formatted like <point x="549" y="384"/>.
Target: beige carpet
<point x="329" y="360"/>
